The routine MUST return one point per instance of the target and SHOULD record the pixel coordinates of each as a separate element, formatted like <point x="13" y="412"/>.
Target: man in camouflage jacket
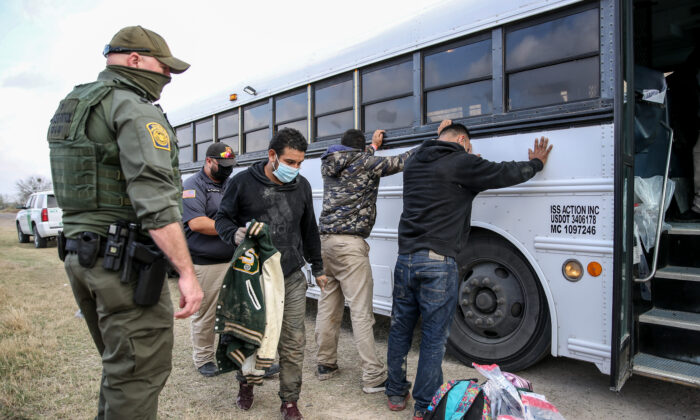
<point x="351" y="175"/>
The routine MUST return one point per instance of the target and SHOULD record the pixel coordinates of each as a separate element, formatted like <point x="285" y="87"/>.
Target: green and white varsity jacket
<point x="250" y="306"/>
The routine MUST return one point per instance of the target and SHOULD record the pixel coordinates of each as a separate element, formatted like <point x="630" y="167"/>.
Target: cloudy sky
<point x="49" y="46"/>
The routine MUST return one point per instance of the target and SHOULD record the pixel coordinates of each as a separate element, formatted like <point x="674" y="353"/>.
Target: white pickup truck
<point x="39" y="217"/>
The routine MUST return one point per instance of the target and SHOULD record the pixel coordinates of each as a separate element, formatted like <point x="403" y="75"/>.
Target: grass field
<point x="50" y="369"/>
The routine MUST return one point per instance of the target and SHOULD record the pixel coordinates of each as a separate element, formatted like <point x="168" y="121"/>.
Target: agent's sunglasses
<point x="110" y="49"/>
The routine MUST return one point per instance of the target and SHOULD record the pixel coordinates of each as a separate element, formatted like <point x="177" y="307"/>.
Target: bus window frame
<point x="241" y="117"/>
<point x="236" y="134"/>
<point x="294" y="92"/>
<point x="394" y="61"/>
<point x="197" y="142"/>
<point x="321" y="84"/>
<point x="549" y="17"/>
<point x="468" y="40"/>
<point x="188" y="146"/>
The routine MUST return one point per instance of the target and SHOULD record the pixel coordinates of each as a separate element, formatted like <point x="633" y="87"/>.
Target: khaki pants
<point x="210" y="278"/>
<point x="135" y="342"/>
<point x="346" y="263"/>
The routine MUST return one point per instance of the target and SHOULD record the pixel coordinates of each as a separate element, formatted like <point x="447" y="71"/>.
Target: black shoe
<point x="324" y="372"/>
<point x="689" y="215"/>
<point x="273" y="370"/>
<point x="208" y="369"/>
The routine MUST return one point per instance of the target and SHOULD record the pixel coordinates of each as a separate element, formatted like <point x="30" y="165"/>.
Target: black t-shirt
<point x="201" y="197"/>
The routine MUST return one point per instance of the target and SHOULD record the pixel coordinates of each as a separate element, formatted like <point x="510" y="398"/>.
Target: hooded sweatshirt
<point x="287" y="209"/>
<point x="440" y="182"/>
<point x="350" y="184"/>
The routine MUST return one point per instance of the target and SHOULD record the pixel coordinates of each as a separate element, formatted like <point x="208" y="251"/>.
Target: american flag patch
<point x="189" y="193"/>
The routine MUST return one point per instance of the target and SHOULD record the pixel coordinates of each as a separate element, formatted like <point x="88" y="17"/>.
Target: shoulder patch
<point x="189" y="193"/>
<point x="160" y="137"/>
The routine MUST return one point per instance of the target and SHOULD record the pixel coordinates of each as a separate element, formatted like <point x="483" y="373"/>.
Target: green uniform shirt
<point x="147" y="156"/>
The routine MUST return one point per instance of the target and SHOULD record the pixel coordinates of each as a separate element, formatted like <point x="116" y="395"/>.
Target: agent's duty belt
<point x="72" y="246"/>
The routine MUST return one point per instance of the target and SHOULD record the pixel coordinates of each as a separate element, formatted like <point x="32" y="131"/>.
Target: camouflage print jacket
<point x="350" y="184"/>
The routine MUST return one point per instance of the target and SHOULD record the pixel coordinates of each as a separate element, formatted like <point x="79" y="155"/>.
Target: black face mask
<point x="221" y="173"/>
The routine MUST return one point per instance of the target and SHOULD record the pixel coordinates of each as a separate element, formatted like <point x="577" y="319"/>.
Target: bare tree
<point x="30" y="185"/>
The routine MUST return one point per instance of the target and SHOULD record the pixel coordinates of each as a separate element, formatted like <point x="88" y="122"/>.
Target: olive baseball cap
<point x="222" y="153"/>
<point x="145" y="42"/>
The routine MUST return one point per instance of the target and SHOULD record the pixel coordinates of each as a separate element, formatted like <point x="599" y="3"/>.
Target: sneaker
<point x="374" y="389"/>
<point x="397" y="402"/>
<point x="324" y="372"/>
<point x="289" y="411"/>
<point x="245" y="396"/>
<point x="208" y="369"/>
<point x="272" y="371"/>
<point x="418" y="414"/>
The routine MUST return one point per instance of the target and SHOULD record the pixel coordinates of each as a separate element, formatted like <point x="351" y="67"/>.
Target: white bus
<point x="549" y="265"/>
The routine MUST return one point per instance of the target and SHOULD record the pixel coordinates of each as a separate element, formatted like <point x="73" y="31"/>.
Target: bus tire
<point x="502" y="315"/>
<point x="39" y="242"/>
<point x="22" y="237"/>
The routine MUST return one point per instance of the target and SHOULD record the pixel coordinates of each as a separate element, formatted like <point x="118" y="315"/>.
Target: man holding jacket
<point x="440" y="181"/>
<point x="274" y="193"/>
<point x="351" y="175"/>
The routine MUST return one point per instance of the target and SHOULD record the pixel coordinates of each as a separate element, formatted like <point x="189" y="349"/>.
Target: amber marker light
<point x="594" y="268"/>
<point x="232" y="97"/>
<point x="572" y="270"/>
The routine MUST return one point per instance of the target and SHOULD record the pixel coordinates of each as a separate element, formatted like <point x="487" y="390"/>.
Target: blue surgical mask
<point x="285" y="173"/>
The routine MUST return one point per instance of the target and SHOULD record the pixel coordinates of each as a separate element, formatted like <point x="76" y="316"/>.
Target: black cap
<point x="222" y="153"/>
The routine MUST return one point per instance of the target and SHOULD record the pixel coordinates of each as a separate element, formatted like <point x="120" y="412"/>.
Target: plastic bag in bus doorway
<point x="646" y="208"/>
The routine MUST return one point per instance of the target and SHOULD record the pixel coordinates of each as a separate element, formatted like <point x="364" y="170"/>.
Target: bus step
<point x="676" y="319"/>
<point x="684" y="229"/>
<point x="666" y="369"/>
<point x="679" y="273"/>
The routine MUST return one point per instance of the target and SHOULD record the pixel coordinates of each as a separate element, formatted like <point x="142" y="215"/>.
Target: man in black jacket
<point x="273" y="192"/>
<point x="440" y="181"/>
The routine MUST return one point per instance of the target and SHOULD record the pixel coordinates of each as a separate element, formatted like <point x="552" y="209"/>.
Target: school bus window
<point x="227" y="129"/>
<point x="554" y="62"/>
<point x="203" y="136"/>
<point x="185" y="154"/>
<point x="184" y="142"/>
<point x="334" y="123"/>
<point x="257" y="140"/>
<point x="457" y="81"/>
<point x="333" y="105"/>
<point x="387" y="96"/>
<point x="387" y="82"/>
<point x="256" y="119"/>
<point x="291" y="112"/>
<point x="297" y="125"/>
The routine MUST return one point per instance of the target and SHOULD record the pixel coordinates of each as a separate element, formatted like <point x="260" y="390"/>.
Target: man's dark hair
<point x="353" y="138"/>
<point x="456" y="129"/>
<point x="288" y="137"/>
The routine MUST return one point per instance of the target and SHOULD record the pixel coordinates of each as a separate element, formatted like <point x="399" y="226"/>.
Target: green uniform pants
<point x="135" y="342"/>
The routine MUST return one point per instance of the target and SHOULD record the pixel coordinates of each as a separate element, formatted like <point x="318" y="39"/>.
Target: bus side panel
<point x="565" y="212"/>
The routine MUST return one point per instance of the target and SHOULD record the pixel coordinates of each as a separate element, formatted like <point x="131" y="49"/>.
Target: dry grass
<point x="50" y="367"/>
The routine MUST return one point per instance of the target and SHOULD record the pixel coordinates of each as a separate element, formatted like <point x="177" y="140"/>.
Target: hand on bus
<point x="443" y="124"/>
<point x="377" y="138"/>
<point x="541" y="151"/>
<point x="322" y="281"/>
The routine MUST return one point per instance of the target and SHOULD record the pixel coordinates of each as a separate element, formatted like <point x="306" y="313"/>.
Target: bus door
<point x="622" y="334"/>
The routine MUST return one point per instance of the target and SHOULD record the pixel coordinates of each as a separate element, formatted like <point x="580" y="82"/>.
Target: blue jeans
<point x="425" y="284"/>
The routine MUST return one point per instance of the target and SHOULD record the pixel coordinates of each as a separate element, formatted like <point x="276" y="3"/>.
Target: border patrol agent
<point x="211" y="255"/>
<point x="114" y="160"/>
